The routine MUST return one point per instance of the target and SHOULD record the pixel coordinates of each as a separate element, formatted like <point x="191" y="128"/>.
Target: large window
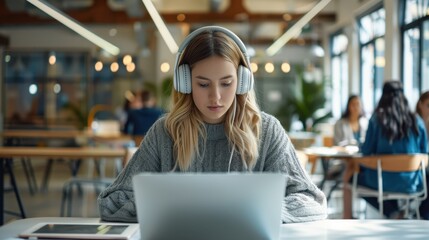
<point x="51" y="89"/>
<point x="42" y="85"/>
<point x="415" y="55"/>
<point x="371" y="39"/>
<point x="340" y="80"/>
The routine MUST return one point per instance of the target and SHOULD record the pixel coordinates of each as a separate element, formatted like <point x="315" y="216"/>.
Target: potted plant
<point x="306" y="102"/>
<point x="162" y="92"/>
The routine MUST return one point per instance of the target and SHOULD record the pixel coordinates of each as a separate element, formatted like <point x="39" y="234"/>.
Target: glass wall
<point x="415" y="55"/>
<point x="56" y="89"/>
<point x="371" y="40"/>
<point x="340" y="80"/>
<point x="42" y="86"/>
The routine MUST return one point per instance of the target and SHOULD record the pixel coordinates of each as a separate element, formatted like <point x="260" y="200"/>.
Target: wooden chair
<point x="98" y="183"/>
<point x="392" y="163"/>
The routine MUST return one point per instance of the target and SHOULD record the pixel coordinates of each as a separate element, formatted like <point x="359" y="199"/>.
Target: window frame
<point x="377" y="81"/>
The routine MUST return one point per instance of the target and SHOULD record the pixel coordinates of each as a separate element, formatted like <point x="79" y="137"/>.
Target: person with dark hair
<point x="139" y="120"/>
<point x="422" y="109"/>
<point x="350" y="129"/>
<point x="393" y="129"/>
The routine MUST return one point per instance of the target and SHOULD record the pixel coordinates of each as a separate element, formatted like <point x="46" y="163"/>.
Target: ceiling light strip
<point x="75" y="26"/>
<point x="162" y="28"/>
<point x="295" y="30"/>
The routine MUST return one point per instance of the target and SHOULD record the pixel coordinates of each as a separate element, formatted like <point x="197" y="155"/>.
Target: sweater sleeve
<point x="116" y="203"/>
<point x="303" y="200"/>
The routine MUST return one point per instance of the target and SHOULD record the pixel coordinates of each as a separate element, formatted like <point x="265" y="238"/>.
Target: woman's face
<point x="424" y="108"/>
<point x="355" y="108"/>
<point x="214" y="83"/>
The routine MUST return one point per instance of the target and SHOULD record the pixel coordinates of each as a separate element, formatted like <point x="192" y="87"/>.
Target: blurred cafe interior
<point x="67" y="73"/>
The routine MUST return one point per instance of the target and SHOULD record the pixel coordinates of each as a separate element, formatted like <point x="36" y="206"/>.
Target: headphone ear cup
<point x="182" y="79"/>
<point x="244" y="80"/>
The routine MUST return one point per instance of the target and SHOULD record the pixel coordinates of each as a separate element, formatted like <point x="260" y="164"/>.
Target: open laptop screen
<point x="209" y="205"/>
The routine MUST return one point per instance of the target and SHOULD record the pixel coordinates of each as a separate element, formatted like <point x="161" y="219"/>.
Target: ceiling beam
<point x="295" y="41"/>
<point x="100" y="13"/>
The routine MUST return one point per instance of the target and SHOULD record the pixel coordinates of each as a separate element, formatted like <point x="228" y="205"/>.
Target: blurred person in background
<point x="350" y="129"/>
<point x="142" y="116"/>
<point x="422" y="109"/>
<point x="132" y="100"/>
<point x="393" y="129"/>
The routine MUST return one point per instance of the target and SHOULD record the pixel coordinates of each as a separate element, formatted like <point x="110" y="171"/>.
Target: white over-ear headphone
<point x="182" y="73"/>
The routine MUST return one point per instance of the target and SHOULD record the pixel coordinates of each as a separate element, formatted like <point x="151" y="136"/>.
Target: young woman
<point x="392" y="129"/>
<point x="215" y="125"/>
<point x="350" y="129"/>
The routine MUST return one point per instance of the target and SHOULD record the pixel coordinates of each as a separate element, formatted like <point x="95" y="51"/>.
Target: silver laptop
<point x="209" y="206"/>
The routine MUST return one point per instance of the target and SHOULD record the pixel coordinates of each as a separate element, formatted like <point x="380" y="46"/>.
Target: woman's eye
<point x="226" y="84"/>
<point x="203" y="85"/>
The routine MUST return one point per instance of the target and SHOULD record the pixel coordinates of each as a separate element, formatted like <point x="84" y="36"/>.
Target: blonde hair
<point x="185" y="122"/>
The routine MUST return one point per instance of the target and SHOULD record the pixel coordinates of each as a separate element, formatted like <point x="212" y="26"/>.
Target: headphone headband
<point x="182" y="78"/>
<point x="228" y="32"/>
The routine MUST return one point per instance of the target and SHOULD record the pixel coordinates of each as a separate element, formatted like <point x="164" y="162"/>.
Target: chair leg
<point x="325" y="167"/>
<point x="70" y="199"/>
<point x="361" y="212"/>
<point x="337" y="183"/>
<point x="47" y="174"/>
<point x="75" y="166"/>
<point x="407" y="208"/>
<point x="365" y="209"/>
<point x="380" y="206"/>
<point x="15" y="188"/>
<point x="29" y="174"/>
<point x="64" y="200"/>
<point x="32" y="176"/>
<point x="417" y="209"/>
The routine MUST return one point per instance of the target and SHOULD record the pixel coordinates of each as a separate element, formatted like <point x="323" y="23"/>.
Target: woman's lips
<point x="214" y="108"/>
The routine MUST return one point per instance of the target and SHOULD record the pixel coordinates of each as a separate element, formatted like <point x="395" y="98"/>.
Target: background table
<point x="78" y="135"/>
<point x="328" y="153"/>
<point x="50" y="152"/>
<point x="326" y="229"/>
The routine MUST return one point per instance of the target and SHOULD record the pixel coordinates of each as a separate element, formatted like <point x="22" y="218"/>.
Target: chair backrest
<point x="328" y="141"/>
<point x="394" y="162"/>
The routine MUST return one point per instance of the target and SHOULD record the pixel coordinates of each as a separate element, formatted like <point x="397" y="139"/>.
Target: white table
<point x="357" y="229"/>
<point x="327" y="229"/>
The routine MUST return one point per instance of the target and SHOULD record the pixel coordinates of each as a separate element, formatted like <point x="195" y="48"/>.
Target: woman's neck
<point x="354" y="123"/>
<point x="353" y="119"/>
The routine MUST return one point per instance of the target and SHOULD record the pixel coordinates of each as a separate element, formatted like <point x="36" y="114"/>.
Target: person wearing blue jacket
<point x="393" y="129"/>
<point x="141" y="119"/>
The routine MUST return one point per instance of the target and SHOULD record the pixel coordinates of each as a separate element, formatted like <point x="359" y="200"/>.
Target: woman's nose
<point x="214" y="93"/>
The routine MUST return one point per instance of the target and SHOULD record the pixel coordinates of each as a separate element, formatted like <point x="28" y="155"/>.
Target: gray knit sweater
<point x="303" y="200"/>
